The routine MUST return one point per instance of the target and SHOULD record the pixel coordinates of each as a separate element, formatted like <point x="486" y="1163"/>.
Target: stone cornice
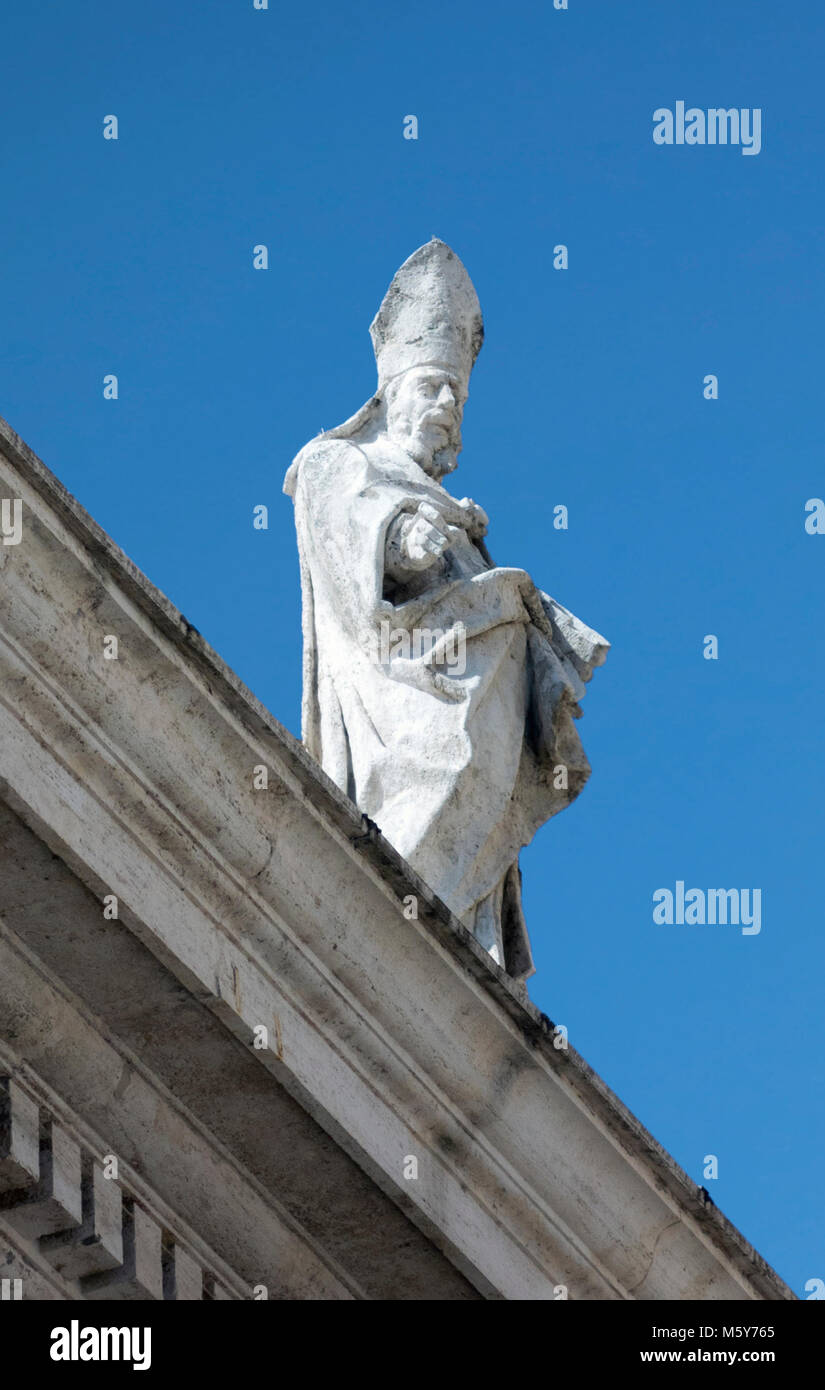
<point x="89" y="1257"/>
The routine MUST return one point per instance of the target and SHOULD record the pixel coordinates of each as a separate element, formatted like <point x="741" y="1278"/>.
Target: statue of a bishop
<point x="440" y="690"/>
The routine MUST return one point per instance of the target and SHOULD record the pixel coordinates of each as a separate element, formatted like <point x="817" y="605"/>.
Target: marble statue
<point x="440" y="689"/>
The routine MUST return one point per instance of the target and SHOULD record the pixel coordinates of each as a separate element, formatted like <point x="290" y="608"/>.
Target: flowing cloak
<point x="457" y="767"/>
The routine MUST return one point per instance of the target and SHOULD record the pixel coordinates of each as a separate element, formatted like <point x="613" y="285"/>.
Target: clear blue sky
<point x="284" y="127"/>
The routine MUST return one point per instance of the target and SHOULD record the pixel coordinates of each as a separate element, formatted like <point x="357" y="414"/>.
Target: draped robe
<point x="458" y="768"/>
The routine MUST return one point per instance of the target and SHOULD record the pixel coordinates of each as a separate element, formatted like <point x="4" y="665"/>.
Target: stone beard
<point x="458" y="763"/>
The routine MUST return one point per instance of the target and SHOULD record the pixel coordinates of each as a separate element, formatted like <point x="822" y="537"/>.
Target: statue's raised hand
<point x="425" y="537"/>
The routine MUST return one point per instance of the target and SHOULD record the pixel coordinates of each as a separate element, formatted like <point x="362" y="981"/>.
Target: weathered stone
<point x="54" y="1201"/>
<point x="19" y="1137"/>
<point x="140" y="1275"/>
<point x="440" y="690"/>
<point x="185" y="1277"/>
<point x="96" y="1244"/>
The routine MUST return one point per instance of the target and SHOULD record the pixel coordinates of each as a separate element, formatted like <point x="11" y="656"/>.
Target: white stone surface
<point x="439" y="689"/>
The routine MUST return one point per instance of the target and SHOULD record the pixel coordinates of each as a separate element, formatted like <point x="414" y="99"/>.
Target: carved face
<point x="424" y="410"/>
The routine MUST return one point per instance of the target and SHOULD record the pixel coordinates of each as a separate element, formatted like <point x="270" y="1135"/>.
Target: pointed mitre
<point x="430" y="316"/>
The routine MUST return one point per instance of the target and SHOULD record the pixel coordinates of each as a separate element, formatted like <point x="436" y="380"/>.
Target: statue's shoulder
<point x="321" y="461"/>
